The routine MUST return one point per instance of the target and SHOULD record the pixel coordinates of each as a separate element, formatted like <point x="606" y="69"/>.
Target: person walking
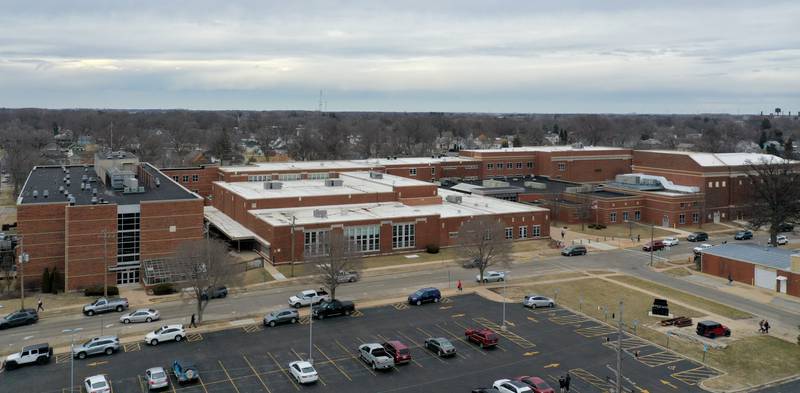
<point x="638" y="238"/>
<point x="567" y="379"/>
<point x="192" y="323"/>
<point x="761" y="326"/>
<point x="460" y="288"/>
<point x="562" y="383"/>
<point x="766" y="326"/>
<point x="39" y="305"/>
<point x="562" y="234"/>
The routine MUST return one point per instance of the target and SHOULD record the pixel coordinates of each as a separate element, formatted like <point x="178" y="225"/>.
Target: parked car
<point x="97" y="384"/>
<point x="376" y="356"/>
<point x="219" y="292"/>
<point x="509" y="386"/>
<point x="332" y="308"/>
<point x="743" y="235"/>
<point x="141" y="315"/>
<point x="485" y="338"/>
<point x="712" y="329"/>
<point x="538" y="385"/>
<point x="345" y="276"/>
<point x="440" y="345"/>
<point x="697" y="237"/>
<point x="491" y="276"/>
<point x="670" y="241"/>
<point x="534" y="301"/>
<point x="655" y="245"/>
<point x="471" y="264"/>
<point x="782" y="240"/>
<point x="425" y="295"/>
<point x="185" y="372"/>
<point x="26" y="316"/>
<point x="103" y="304"/>
<point x="699" y="249"/>
<point x="485" y="390"/>
<point x="165" y="333"/>
<point x="785" y="227"/>
<point x="398" y="351"/>
<point x="287" y="315"/>
<point x="156" y="378"/>
<point x="309" y="297"/>
<point x="37" y="353"/>
<point x="303" y="372"/>
<point x="97" y="345"/>
<point x="576" y="249"/>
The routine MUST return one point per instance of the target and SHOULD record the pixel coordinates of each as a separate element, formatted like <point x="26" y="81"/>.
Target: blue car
<point x="185" y="372"/>
<point x="425" y="295"/>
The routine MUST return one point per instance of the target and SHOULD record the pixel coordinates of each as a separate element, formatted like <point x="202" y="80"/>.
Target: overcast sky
<point x="462" y="56"/>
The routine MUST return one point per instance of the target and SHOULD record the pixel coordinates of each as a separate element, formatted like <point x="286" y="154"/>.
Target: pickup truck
<point x="351" y="276"/>
<point x="39" y="354"/>
<point x="309" y="297"/>
<point x="332" y="308"/>
<point x="375" y="355"/>
<point x="482" y="336"/>
<point x="105" y="305"/>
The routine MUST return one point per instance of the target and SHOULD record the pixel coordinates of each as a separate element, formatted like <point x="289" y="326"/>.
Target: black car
<point x="425" y="295"/>
<point x="697" y="237"/>
<point x="743" y="235"/>
<point x="25" y="316"/>
<point x="576" y="249"/>
<point x="215" y="293"/>
<point x="785" y="227"/>
<point x="332" y="308"/>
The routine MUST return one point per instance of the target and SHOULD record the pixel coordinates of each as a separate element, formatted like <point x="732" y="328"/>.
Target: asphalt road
<point x="545" y="343"/>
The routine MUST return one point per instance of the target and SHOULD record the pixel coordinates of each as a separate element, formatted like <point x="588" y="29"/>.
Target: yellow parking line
<point x="228" y="375"/>
<point x="463" y="340"/>
<point x="283" y="370"/>
<point x="429" y="334"/>
<point x="412" y="359"/>
<point x="418" y="345"/>
<point x="202" y="384"/>
<point x="333" y="363"/>
<point x="139" y="379"/>
<point x="318" y="376"/>
<point x="358" y="360"/>
<point x="256" y="374"/>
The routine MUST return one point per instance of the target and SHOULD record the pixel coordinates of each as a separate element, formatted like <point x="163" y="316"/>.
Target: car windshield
<point x="159" y="330"/>
<point x="98" y="385"/>
<point x="308" y="370"/>
<point x="403" y="352"/>
<point x="491" y="336"/>
<point x="88" y="342"/>
<point x="301" y="294"/>
<point x="419" y="293"/>
<point x="445" y="344"/>
<point x="157" y="375"/>
<point x="542" y="385"/>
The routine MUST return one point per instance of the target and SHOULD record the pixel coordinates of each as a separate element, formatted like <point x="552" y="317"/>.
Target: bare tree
<point x="482" y="240"/>
<point x="775" y="186"/>
<point x="343" y="255"/>
<point x="204" y="265"/>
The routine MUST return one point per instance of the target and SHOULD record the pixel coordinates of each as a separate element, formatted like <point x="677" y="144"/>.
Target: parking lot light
<point x="506" y="275"/>
<point x="71" y="332"/>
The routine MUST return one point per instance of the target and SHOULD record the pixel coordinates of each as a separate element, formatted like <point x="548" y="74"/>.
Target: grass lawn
<point x="304" y="269"/>
<point x="546" y="277"/>
<point x="754" y="361"/>
<point x="617" y="231"/>
<point x="678" y="272"/>
<point x="255" y="276"/>
<point x="709" y="227"/>
<point x="684" y="297"/>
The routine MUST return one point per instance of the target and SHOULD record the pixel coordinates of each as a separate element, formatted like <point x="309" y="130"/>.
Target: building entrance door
<point x="128" y="276"/>
<point x="665" y="221"/>
<point x="716" y="217"/>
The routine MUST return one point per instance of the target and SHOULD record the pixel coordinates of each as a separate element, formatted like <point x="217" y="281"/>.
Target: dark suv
<point x="743" y="235"/>
<point x="697" y="237"/>
<point x="425" y="295"/>
<point x="577" y="249"/>
<point x="654" y="246"/>
<point x="712" y="329"/>
<point x="25" y="316"/>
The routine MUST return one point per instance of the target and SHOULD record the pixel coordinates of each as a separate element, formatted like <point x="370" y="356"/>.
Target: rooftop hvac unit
<point x="453" y="198"/>
<point x="60" y="188"/>
<point x="273" y="185"/>
<point x="320" y="213"/>
<point x="334" y="182"/>
<point x="376" y="175"/>
<point x="158" y="182"/>
<point x="94" y="200"/>
<point x="35" y="194"/>
<point x="45" y="193"/>
<point x="71" y="200"/>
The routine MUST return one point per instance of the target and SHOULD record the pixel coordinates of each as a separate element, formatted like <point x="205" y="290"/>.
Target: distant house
<point x="747" y="147"/>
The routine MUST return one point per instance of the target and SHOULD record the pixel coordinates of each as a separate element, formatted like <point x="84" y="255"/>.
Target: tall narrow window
<point x="403" y="235"/>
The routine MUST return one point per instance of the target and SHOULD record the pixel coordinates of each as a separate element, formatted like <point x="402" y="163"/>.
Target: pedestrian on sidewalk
<point x="460" y="288"/>
<point x="192" y="323"/>
<point x="638" y="238"/>
<point x="562" y="384"/>
<point x="562" y="234"/>
<point x="766" y="326"/>
<point x="567" y="379"/>
<point x="761" y="326"/>
<point x="39" y="305"/>
<point x="730" y="279"/>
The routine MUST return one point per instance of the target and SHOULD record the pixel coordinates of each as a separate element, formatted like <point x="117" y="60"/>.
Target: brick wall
<point x="86" y="247"/>
<point x="197" y="179"/>
<point x="165" y="224"/>
<point x="42" y="230"/>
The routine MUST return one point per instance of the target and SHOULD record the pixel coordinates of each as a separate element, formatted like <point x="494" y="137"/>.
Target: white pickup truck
<point x="309" y="297"/>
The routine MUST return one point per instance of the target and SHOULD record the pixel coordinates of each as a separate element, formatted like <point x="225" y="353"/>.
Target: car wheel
<point x="727" y="334"/>
<point x="271" y="323"/>
<point x="533" y="305"/>
<point x="109" y="351"/>
<point x="320" y="316"/>
<point x="485" y="281"/>
<point x="294" y="320"/>
<point x="178" y="338"/>
<point x="436" y="300"/>
<point x="11" y="365"/>
<point x="551" y="305"/>
<point x="439" y="353"/>
<point x="419" y="302"/>
<point x="119" y="308"/>
<point x="148" y="320"/>
<point x="373" y="366"/>
<point x="127" y="321"/>
<point x="481" y="345"/>
<point x="154" y="342"/>
<point x="351" y="279"/>
<point x="81" y="355"/>
<point x="348" y="312"/>
<point x="90" y="313"/>
<point x="42" y="360"/>
<point x="500" y="279"/>
<point x="296" y="305"/>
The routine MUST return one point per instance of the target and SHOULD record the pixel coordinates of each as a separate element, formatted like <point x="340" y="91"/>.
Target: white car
<point x="303" y="371"/>
<point x="534" y="301"/>
<point x="140" y="315"/>
<point x="670" y="241"/>
<point x="165" y="333"/>
<point x="509" y="386"/>
<point x="156" y="378"/>
<point x="97" y="384"/>
<point x="491" y="276"/>
<point x="699" y="249"/>
<point x="782" y="240"/>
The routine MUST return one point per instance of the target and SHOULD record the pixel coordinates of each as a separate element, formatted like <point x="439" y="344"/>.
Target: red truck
<point x="482" y="336"/>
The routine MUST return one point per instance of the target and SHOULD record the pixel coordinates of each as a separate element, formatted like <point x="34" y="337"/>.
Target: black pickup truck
<point x="333" y="308"/>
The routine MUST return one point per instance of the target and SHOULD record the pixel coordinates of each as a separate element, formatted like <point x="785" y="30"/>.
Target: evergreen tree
<point x="46" y="281"/>
<point x="788" y="148"/>
<point x="55" y="284"/>
<point x="762" y="140"/>
<point x="517" y="142"/>
<point x="765" y="124"/>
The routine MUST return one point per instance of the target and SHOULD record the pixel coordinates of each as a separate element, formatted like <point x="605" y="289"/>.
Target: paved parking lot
<point x="545" y="343"/>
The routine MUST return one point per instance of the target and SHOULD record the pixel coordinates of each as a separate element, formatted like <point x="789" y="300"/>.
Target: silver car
<point x="141" y="315"/>
<point x="288" y="315"/>
<point x="534" y="301"/>
<point x="156" y="378"/>
<point x="97" y="345"/>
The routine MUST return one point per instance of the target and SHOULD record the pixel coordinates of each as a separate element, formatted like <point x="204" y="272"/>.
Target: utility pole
<point x="310" y="333"/>
<point x="292" y="248"/>
<point x="619" y="350"/>
<point x="652" y="248"/>
<point x="23" y="259"/>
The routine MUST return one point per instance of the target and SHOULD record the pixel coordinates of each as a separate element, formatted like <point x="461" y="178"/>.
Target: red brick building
<point x="771" y="268"/>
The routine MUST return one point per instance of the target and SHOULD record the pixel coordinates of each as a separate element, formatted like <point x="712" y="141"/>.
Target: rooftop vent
<point x="71" y="200"/>
<point x="320" y="213"/>
<point x="453" y="198"/>
<point x="158" y="182"/>
<point x="35" y="194"/>
<point x="273" y="185"/>
<point x="334" y="182"/>
<point x="376" y="175"/>
<point x="45" y="193"/>
<point x="94" y="192"/>
<point x="60" y="188"/>
<point x="67" y="176"/>
<point x="94" y="200"/>
<point x="84" y="177"/>
<point x="68" y="182"/>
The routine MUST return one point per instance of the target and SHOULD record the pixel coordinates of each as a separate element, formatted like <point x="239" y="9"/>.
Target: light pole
<point x="310" y="333"/>
<point x="505" y="278"/>
<point x="23" y="259"/>
<point x="71" y="332"/>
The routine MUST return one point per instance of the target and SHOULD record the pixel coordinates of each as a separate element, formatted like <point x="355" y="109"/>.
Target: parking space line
<point x="62" y="357"/>
<point x="319" y="377"/>
<point x="303" y="320"/>
<point x="357" y="313"/>
<point x="463" y="340"/>
<point x="132" y="347"/>
<point x="595" y="331"/>
<point x="693" y="376"/>
<point x="591" y="379"/>
<point x="659" y="358"/>
<point x="256" y="327"/>
<point x="333" y="363"/>
<point x="355" y="358"/>
<point x="523" y="342"/>
<point x="229" y="376"/>
<point x="364" y="341"/>
<point x="570" y="319"/>
<point x="628" y="343"/>
<point x="192" y="337"/>
<point x="400" y="306"/>
<point x="555" y="382"/>
<point x="459" y="355"/>
<point x="202" y="384"/>
<point x="498" y="345"/>
<point x="256" y="374"/>
<point x="283" y="370"/>
<point x="139" y="379"/>
<point x="418" y="345"/>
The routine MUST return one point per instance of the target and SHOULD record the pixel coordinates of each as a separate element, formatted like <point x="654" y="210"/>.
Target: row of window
<point x="716" y="184"/>
<point x="364" y="238"/>
<point x="413" y="171"/>
<point x="185" y="178"/>
<point x="128" y="230"/>
<point x="509" y="165"/>
<point x="536" y="231"/>
<point x="637" y="216"/>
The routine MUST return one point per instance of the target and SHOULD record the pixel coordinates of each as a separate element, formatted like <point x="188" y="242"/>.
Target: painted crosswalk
<point x="659" y="358"/>
<point x="628" y="344"/>
<point x="695" y="375"/>
<point x="62" y="357"/>
<point x="400" y="306"/>
<point x="571" y="319"/>
<point x="256" y="327"/>
<point x="507" y="334"/>
<point x="357" y="313"/>
<point x="591" y="379"/>
<point x="194" y="337"/>
<point x="132" y="347"/>
<point x="595" y="331"/>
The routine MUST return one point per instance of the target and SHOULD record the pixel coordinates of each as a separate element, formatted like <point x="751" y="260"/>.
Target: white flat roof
<point x="546" y="149"/>
<point x="415" y="160"/>
<point x="476" y="205"/>
<point x="386" y="179"/>
<point x="230" y="227"/>
<point x="723" y="159"/>
<point x="297" y="166"/>
<point x="301" y="188"/>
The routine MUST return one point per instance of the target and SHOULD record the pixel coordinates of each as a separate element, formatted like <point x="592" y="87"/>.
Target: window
<point x="613" y="217"/>
<point x="723" y="183"/>
<point x="185" y="178"/>
<point x="364" y="238"/>
<point x="682" y="219"/>
<point x="530" y="164"/>
<point x="711" y="184"/>
<point x="433" y="171"/>
<point x="695" y="218"/>
<point x="509" y="165"/>
<point x="625" y="216"/>
<point x="509" y="232"/>
<point x="259" y="178"/>
<point x="637" y="215"/>
<point x="740" y="182"/>
<point x="195" y="177"/>
<point x="175" y="178"/>
<point x="562" y="166"/>
<point x="536" y="231"/>
<point x="452" y="235"/>
<point x="315" y="243"/>
<point x="319" y="175"/>
<point x="489" y="166"/>
<point x="523" y="232"/>
<point x="412" y="172"/>
<point x="289" y="176"/>
<point x="128" y="238"/>
<point x="403" y="235"/>
<point x="716" y="184"/>
<point x="519" y="165"/>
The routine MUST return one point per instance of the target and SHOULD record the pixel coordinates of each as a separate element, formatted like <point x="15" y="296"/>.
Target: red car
<point x="654" y="246"/>
<point x="537" y="384"/>
<point x="398" y="351"/>
<point x="482" y="336"/>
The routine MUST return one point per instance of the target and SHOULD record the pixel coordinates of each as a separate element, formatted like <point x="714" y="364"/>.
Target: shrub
<point x="432" y="249"/>
<point x="163" y="289"/>
<point x="592" y="226"/>
<point x="46" y="281"/>
<point x="56" y="281"/>
<point x="97" y="290"/>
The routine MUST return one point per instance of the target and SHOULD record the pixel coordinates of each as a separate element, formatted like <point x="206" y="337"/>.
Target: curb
<point x="748" y="389"/>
